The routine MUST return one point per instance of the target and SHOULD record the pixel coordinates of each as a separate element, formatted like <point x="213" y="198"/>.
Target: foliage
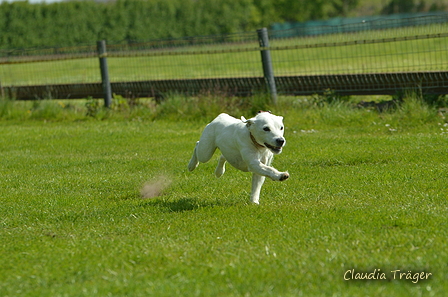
<point x="25" y="25"/>
<point x="304" y="10"/>
<point x="412" y="109"/>
<point x="410" y="6"/>
<point x="68" y="23"/>
<point x="92" y="106"/>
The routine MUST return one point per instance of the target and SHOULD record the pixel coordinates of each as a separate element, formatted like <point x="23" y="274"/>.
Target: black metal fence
<point x="364" y="62"/>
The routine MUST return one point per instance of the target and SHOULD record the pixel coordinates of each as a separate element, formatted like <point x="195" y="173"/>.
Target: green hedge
<point x="25" y="25"/>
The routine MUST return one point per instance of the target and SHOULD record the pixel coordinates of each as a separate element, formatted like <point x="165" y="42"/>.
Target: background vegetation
<point x="205" y="107"/>
<point x="24" y="25"/>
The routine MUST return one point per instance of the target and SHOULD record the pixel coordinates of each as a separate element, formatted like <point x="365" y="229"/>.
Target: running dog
<point x="248" y="145"/>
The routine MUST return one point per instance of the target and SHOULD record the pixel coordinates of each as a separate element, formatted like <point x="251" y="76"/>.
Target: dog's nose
<point x="280" y="141"/>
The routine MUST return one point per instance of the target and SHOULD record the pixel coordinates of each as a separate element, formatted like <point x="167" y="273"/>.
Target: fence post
<point x="107" y="90"/>
<point x="268" y="71"/>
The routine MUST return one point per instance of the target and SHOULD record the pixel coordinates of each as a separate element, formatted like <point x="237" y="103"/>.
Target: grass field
<point x="367" y="191"/>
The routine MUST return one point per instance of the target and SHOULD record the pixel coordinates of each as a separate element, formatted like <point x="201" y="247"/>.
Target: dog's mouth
<point x="274" y="149"/>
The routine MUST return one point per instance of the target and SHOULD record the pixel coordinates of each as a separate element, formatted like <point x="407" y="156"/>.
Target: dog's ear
<point x="247" y="122"/>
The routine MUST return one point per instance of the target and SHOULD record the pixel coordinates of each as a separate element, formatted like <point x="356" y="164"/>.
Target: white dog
<point x="248" y="145"/>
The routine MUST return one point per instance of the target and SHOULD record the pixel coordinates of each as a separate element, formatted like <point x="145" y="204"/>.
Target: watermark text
<point x="396" y="274"/>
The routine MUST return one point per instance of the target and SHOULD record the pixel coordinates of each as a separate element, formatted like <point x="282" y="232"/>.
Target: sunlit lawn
<point x="367" y="191"/>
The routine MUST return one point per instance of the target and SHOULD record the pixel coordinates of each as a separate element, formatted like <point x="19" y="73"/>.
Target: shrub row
<point x="67" y="23"/>
<point x="24" y="25"/>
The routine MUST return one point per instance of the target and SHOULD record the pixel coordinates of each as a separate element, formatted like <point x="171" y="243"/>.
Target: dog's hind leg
<point x="257" y="183"/>
<point x="206" y="147"/>
<point x="203" y="151"/>
<point x="221" y="168"/>
<point x="194" y="159"/>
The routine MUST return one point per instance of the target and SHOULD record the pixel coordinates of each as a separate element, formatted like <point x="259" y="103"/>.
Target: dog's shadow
<point x="184" y="204"/>
<point x="179" y="205"/>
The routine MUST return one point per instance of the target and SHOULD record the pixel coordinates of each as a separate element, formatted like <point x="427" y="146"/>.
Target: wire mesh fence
<point x="363" y="53"/>
<point x="350" y="51"/>
<point x="231" y="55"/>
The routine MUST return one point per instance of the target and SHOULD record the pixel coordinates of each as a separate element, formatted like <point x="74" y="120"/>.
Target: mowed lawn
<point x="364" y="199"/>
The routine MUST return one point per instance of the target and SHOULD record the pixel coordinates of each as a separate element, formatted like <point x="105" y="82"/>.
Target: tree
<point x="305" y="10"/>
<point x="399" y="6"/>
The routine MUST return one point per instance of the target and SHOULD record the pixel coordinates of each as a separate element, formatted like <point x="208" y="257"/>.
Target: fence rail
<point x="348" y="84"/>
<point x="364" y="62"/>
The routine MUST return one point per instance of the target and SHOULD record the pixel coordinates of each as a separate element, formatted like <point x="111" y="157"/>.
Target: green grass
<point x="367" y="191"/>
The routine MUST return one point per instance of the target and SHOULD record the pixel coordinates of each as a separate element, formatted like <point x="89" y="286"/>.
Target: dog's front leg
<point x="257" y="183"/>
<point x="264" y="170"/>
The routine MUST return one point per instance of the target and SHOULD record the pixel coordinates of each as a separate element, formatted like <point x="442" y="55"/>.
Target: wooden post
<point x="107" y="90"/>
<point x="268" y="70"/>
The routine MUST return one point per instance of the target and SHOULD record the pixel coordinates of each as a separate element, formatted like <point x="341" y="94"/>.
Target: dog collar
<point x="254" y="141"/>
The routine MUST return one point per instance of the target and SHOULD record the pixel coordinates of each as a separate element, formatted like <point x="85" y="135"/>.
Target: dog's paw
<point x="192" y="165"/>
<point x="219" y="171"/>
<point x="284" y="176"/>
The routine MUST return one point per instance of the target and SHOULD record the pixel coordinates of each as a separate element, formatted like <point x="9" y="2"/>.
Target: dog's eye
<point x="266" y="129"/>
<point x="281" y="128"/>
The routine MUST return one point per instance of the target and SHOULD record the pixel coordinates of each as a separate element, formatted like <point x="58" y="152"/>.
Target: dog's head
<point x="267" y="130"/>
